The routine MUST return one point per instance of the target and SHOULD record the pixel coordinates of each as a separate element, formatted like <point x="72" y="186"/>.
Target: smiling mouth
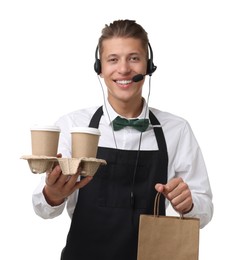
<point x="123" y="82"/>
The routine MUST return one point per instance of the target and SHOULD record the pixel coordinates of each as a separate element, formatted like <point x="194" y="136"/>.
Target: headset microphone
<point x="138" y="77"/>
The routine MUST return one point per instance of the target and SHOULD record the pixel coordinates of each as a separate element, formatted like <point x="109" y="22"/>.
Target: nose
<point x="124" y="67"/>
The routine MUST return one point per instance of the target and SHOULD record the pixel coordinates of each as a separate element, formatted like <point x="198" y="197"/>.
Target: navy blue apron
<point x="105" y="222"/>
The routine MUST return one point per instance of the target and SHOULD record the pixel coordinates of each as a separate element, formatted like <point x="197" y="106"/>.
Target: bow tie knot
<point x="139" y="124"/>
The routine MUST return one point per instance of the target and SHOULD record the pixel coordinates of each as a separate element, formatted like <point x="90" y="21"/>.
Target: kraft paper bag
<point x="168" y="237"/>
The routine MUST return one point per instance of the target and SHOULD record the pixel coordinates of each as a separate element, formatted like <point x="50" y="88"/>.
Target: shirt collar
<point x="110" y="113"/>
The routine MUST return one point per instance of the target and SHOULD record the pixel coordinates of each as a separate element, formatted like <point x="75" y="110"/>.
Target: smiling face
<point x="122" y="59"/>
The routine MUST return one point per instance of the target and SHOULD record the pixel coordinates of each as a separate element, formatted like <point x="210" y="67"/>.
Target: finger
<point x="53" y="176"/>
<point x="178" y="191"/>
<point x="63" y="180"/>
<point x="162" y="189"/>
<point x="184" y="206"/>
<point x="83" y="182"/>
<point x="172" y="184"/>
<point x="72" y="179"/>
<point x="59" y="155"/>
<point x="180" y="198"/>
<point x="159" y="187"/>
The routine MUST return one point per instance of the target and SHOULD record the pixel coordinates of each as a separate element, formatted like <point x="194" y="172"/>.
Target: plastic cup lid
<point x="87" y="130"/>
<point x="45" y="128"/>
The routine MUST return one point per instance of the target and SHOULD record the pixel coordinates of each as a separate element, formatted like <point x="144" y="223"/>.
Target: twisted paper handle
<point x="156" y="205"/>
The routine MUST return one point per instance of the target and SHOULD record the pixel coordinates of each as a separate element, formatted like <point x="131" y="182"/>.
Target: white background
<point x="46" y="70"/>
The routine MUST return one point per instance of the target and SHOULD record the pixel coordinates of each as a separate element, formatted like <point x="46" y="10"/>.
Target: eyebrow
<point x="129" y="54"/>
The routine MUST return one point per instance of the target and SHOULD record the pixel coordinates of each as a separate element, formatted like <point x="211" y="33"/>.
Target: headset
<point x="150" y="65"/>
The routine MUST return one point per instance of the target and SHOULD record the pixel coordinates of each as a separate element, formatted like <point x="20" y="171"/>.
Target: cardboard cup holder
<point x="69" y="166"/>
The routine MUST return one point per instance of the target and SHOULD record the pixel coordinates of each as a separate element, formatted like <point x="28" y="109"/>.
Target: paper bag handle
<point x="156" y="205"/>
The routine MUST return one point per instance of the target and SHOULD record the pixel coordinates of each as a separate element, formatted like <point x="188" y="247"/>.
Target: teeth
<point x="123" y="82"/>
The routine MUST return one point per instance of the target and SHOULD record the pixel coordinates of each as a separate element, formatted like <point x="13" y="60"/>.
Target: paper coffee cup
<point x="84" y="142"/>
<point x="45" y="140"/>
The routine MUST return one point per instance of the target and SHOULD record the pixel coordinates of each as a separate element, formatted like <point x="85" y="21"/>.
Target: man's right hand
<point x="59" y="186"/>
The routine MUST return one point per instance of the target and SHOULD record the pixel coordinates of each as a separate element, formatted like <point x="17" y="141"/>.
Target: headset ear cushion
<point x="97" y="66"/>
<point x="150" y="67"/>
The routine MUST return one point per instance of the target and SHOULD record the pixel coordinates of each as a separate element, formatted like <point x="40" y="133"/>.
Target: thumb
<point x="59" y="155"/>
<point x="159" y="187"/>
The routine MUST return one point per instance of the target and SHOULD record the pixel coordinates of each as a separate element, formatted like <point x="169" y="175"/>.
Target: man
<point x="160" y="155"/>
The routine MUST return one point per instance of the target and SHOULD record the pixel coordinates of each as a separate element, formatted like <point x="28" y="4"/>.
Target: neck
<point x="128" y="109"/>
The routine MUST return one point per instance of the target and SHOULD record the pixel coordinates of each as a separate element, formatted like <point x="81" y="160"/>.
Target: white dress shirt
<point x="184" y="154"/>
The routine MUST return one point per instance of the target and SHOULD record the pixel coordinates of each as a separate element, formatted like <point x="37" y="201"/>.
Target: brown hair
<point x="126" y="29"/>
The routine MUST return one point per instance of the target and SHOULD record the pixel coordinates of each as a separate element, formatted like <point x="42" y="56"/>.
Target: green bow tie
<point x="139" y="124"/>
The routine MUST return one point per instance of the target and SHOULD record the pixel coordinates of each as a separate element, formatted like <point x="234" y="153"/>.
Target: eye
<point x="134" y="58"/>
<point x="112" y="60"/>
